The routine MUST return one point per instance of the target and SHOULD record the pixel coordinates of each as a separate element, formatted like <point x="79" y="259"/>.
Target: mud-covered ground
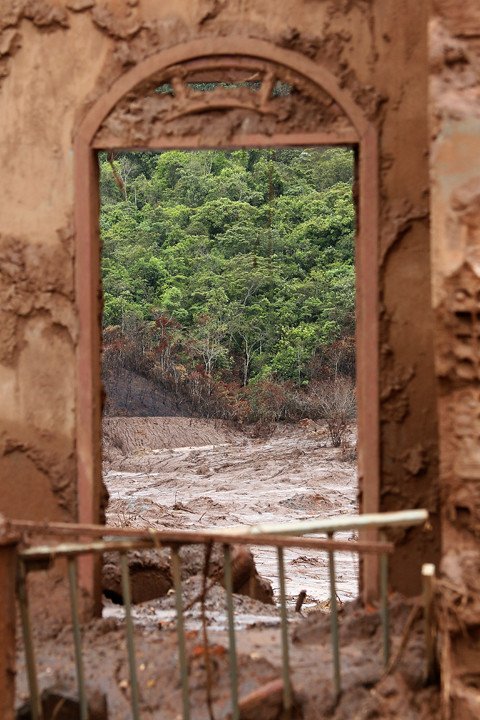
<point x="367" y="693"/>
<point x="183" y="473"/>
<point x="191" y="473"/>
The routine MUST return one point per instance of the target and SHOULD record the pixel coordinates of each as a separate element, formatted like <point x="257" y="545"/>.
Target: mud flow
<point x="166" y="473"/>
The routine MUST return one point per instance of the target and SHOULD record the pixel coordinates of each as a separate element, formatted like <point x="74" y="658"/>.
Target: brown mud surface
<point x="366" y="693"/>
<point x="151" y="573"/>
<point x="177" y="472"/>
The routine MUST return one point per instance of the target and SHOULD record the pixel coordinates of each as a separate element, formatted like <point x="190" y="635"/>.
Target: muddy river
<point x="188" y="473"/>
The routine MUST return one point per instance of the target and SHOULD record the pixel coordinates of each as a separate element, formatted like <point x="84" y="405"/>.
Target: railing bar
<point x="334" y="624"/>
<point x="77" y="638"/>
<point x="50" y="552"/>
<point x="232" y="646"/>
<point x="345" y="522"/>
<point x="402" y="518"/>
<point x="35" y="702"/>
<point x="287" y="686"/>
<point x="384" y="610"/>
<point x="182" y="652"/>
<point x="127" y="602"/>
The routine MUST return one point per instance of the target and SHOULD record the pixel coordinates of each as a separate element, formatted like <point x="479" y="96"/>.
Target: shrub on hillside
<point x="336" y="404"/>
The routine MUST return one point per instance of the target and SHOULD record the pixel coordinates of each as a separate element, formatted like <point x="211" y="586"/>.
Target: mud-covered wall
<point x="455" y="174"/>
<point x="56" y="58"/>
<point x="408" y="441"/>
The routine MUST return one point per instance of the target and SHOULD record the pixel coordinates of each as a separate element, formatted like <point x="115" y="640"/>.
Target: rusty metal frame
<point x="122" y="540"/>
<point x="363" y="137"/>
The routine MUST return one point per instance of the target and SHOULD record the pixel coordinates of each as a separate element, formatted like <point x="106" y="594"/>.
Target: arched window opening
<point x="225" y="94"/>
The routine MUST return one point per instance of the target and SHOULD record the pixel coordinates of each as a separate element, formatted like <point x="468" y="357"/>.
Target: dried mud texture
<point x="107" y="669"/>
<point x="459" y="596"/>
<point x="366" y="692"/>
<point x="376" y="52"/>
<point x="37" y="324"/>
<point x="151" y="573"/>
<point x="44" y="15"/>
<point x="34" y="280"/>
<point x="400" y="694"/>
<point x="462" y="467"/>
<point x="408" y="402"/>
<point x="458" y="602"/>
<point x="245" y="578"/>
<point x="458" y="359"/>
<point x="137" y="32"/>
<point x="198" y="599"/>
<point x="455" y="120"/>
<point x="454" y="61"/>
<point x="408" y="412"/>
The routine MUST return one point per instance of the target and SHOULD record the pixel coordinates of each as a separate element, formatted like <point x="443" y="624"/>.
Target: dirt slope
<point x="124" y="437"/>
<point x="130" y="394"/>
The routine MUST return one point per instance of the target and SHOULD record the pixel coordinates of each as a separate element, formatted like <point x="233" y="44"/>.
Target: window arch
<point x="223" y="92"/>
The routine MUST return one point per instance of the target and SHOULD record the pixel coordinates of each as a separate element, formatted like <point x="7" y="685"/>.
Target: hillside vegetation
<point x="228" y="277"/>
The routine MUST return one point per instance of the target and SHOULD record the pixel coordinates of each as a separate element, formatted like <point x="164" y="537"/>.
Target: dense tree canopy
<point x="228" y="278"/>
<point x="238" y="264"/>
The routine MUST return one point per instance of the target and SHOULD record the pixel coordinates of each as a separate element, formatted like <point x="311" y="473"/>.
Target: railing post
<point x="337" y="681"/>
<point x="8" y="565"/>
<point x="428" y="578"/>
<point x="287" y="685"/>
<point x="77" y="637"/>
<point x="22" y="592"/>
<point x="232" y="647"/>
<point x="182" y="649"/>
<point x="384" y="609"/>
<point x="8" y="568"/>
<point x="132" y="661"/>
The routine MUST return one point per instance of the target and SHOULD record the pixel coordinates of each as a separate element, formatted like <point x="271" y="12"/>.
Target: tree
<point x="248" y="331"/>
<point x="206" y="342"/>
<point x="248" y="253"/>
<point x="337" y="403"/>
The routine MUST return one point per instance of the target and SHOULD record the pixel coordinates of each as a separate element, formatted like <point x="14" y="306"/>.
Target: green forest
<point x="228" y="276"/>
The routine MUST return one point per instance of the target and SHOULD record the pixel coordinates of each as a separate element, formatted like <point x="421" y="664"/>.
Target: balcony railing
<point x="102" y="539"/>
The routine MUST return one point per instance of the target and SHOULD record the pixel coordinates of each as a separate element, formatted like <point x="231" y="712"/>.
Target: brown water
<point x="292" y="475"/>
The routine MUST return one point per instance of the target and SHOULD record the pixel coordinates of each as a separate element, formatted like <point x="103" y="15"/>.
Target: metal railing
<point x="123" y="540"/>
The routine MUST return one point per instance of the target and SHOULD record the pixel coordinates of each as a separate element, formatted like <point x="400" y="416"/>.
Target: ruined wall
<point x="455" y="174"/>
<point x="409" y="454"/>
<point x="56" y="58"/>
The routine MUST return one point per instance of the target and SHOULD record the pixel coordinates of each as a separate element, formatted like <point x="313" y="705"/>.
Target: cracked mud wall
<point x="455" y="136"/>
<point x="56" y="59"/>
<point x="38" y="320"/>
